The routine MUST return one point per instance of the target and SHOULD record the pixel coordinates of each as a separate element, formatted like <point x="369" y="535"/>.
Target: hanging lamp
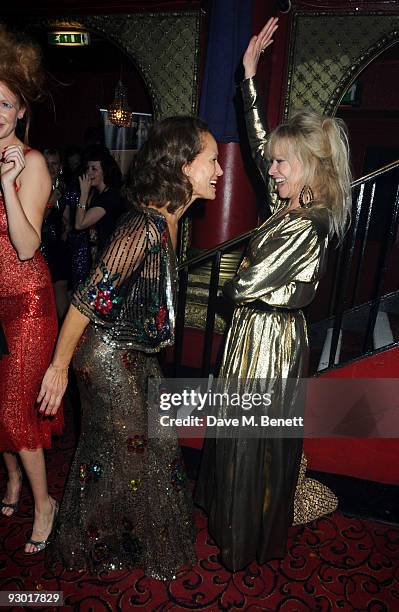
<point x="119" y="112"/>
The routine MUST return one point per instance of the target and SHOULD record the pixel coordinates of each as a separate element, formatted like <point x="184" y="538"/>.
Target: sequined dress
<point x="29" y="321"/>
<point x="78" y="243"/>
<point x="254" y="489"/>
<point x="126" y="502"/>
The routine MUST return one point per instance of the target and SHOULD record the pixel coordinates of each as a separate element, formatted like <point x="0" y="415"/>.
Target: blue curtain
<point x="229" y="33"/>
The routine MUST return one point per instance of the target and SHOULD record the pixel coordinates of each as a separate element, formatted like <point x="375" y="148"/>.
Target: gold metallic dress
<point x="126" y="504"/>
<point x="254" y="489"/>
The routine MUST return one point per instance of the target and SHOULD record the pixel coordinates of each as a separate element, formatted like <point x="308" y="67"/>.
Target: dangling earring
<point x="306" y="197"/>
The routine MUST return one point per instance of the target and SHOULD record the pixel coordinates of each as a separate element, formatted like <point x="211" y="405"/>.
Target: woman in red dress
<point x="27" y="310"/>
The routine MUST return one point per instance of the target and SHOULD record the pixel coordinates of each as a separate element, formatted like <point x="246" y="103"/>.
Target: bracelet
<point x="81" y="205"/>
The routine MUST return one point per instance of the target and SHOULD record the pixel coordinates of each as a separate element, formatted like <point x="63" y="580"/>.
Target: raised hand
<point x="85" y="185"/>
<point x="12" y="163"/>
<point x="257" y="45"/>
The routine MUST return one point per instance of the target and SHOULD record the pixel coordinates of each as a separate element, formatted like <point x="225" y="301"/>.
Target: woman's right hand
<point x="53" y="387"/>
<point x="85" y="184"/>
<point x="257" y="45"/>
<point x="12" y="163"/>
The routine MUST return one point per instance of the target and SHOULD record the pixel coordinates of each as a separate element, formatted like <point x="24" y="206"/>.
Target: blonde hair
<point x="21" y="70"/>
<point x="320" y="143"/>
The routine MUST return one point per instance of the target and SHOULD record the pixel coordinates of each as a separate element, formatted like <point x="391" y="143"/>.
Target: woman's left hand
<point x="53" y="387"/>
<point x="13" y="162"/>
<point x="257" y="45"/>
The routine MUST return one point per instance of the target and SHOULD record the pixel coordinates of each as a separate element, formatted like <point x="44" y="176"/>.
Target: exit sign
<point x="69" y="39"/>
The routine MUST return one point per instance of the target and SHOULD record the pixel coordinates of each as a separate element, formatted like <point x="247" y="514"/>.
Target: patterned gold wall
<point x="329" y="50"/>
<point x="164" y="47"/>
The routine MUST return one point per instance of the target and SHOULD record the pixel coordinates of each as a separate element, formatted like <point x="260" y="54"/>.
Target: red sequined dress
<point x="29" y="321"/>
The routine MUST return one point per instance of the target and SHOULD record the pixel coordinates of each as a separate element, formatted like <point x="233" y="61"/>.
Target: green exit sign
<point x="69" y="39"/>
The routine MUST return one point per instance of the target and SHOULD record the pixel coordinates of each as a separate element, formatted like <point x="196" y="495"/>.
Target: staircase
<point x="351" y="339"/>
<point x="356" y="310"/>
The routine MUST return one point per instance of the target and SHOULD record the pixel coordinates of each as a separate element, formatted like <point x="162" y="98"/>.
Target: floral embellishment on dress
<point x="102" y="296"/>
<point x="178" y="474"/>
<point x="158" y="326"/>
<point x="88" y="472"/>
<point x="97" y="470"/>
<point x="134" y="484"/>
<point x="136" y="444"/>
<point x="129" y="360"/>
<point x="160" y="317"/>
<point x="84" y="474"/>
<point x="162" y="229"/>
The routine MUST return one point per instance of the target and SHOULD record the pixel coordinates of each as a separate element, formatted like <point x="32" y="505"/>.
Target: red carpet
<point x="337" y="563"/>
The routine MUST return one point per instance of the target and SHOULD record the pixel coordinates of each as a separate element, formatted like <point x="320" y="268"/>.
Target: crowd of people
<point x="83" y="207"/>
<point x="126" y="502"/>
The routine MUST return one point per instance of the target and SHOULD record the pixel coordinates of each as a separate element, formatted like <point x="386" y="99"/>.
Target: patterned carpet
<point x="336" y="563"/>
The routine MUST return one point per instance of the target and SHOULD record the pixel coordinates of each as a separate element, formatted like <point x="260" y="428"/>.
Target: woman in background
<point x="99" y="204"/>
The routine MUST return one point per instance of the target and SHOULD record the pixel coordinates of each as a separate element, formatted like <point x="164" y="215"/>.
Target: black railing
<point x="374" y="221"/>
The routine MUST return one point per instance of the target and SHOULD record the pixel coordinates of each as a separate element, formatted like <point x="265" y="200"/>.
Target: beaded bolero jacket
<point x="130" y="292"/>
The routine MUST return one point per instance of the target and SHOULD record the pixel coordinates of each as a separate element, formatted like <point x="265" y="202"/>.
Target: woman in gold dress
<point x="126" y="504"/>
<point x="249" y="486"/>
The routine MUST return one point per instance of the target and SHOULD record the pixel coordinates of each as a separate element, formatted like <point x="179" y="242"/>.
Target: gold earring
<point x="306" y="197"/>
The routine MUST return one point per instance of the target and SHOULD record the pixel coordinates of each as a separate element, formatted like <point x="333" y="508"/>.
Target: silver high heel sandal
<point x="42" y="544"/>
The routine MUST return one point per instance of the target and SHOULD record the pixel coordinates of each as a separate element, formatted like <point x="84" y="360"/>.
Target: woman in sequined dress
<point x="27" y="310"/>
<point x="254" y="488"/>
<point x="126" y="502"/>
<point x="77" y="240"/>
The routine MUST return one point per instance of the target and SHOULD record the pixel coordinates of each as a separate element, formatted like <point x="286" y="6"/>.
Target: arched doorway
<point x="81" y="82"/>
<point x="370" y="109"/>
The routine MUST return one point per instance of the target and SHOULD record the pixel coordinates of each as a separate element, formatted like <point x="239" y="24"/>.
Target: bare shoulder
<point x="35" y="171"/>
<point x="34" y="160"/>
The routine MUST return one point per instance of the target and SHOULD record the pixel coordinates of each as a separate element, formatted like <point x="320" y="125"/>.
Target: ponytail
<point x="321" y="145"/>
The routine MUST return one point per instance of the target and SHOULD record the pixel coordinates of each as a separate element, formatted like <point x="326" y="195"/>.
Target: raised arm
<point x="255" y="117"/>
<point x="85" y="218"/>
<point x="25" y="204"/>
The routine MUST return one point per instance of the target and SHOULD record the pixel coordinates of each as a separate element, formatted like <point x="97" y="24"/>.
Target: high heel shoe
<point x="42" y="544"/>
<point x="13" y="505"/>
<point x="14" y="508"/>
